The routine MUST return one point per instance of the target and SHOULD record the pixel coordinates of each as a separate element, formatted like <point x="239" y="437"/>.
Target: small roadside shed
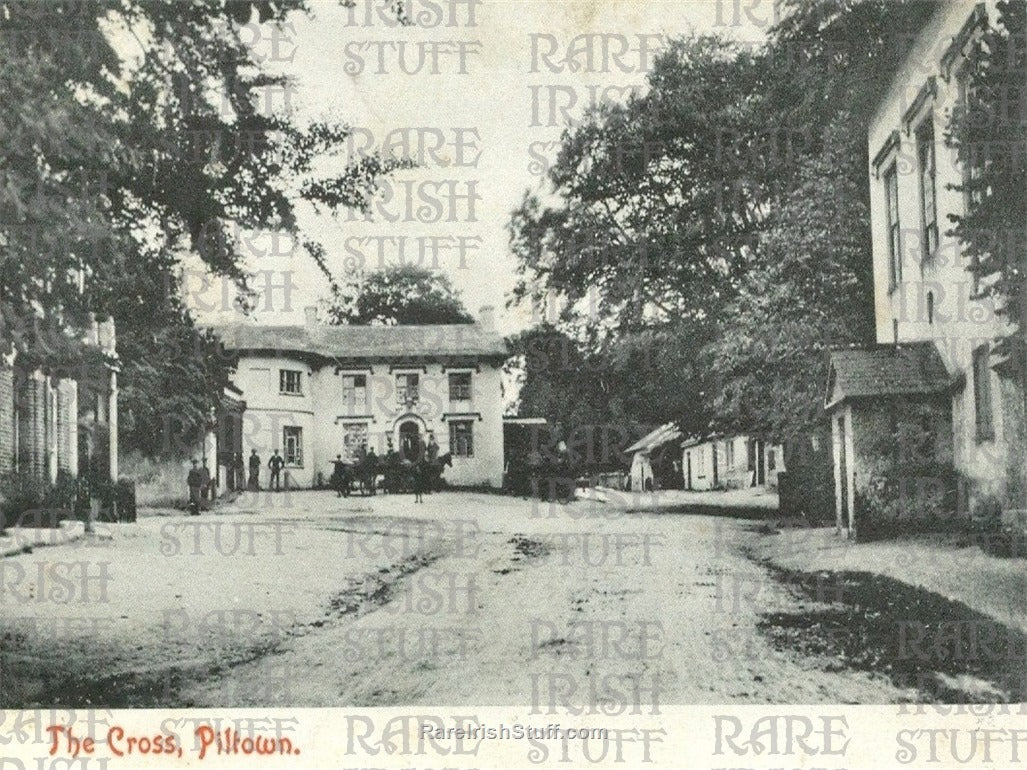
<point x="891" y="434"/>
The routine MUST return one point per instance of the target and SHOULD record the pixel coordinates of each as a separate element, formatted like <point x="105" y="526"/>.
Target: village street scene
<point x="589" y="361"/>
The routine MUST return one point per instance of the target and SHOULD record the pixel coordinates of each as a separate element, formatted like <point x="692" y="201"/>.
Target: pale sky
<point x="501" y="103"/>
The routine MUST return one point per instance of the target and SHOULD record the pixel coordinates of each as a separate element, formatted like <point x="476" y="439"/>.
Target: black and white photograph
<point x="508" y="383"/>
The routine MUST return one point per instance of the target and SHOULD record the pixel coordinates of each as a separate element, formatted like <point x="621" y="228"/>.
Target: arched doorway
<point x="409" y="440"/>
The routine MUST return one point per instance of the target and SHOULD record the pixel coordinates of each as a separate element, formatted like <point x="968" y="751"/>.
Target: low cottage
<point x="730" y="462"/>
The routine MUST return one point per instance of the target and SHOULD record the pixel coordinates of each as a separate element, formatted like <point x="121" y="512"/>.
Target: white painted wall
<point x="960" y="323"/>
<point x="323" y="413"/>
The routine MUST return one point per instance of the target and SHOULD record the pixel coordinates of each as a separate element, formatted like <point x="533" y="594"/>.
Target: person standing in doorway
<point x="254" y="471"/>
<point x="276" y="463"/>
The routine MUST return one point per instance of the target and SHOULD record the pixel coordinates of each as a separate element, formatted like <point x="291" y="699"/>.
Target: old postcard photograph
<point x="508" y="383"/>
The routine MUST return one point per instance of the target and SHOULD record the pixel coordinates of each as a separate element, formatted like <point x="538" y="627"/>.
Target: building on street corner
<point x="315" y="391"/>
<point x="928" y="424"/>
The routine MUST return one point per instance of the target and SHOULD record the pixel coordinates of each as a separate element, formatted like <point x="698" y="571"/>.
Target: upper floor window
<point x="891" y="198"/>
<point x="407" y="388"/>
<point x="354" y="394"/>
<point x="973" y="156"/>
<point x="290" y="381"/>
<point x="982" y="393"/>
<point x="928" y="203"/>
<point x="459" y="386"/>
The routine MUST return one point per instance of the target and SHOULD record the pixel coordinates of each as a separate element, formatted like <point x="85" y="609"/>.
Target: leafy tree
<point x="655" y="200"/>
<point x="401" y="294"/>
<point x="725" y="211"/>
<point x="554" y="378"/>
<point x="135" y="131"/>
<point x="990" y="133"/>
<point x="810" y="291"/>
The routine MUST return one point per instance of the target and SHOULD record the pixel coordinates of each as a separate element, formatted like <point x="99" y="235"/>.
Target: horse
<point x="392" y="468"/>
<point x="342" y="478"/>
<point x="435" y="470"/>
<point x="366" y="473"/>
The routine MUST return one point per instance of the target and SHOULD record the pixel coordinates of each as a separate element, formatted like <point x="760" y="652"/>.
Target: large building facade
<point x="56" y="422"/>
<point x="317" y="391"/>
<point x="933" y="378"/>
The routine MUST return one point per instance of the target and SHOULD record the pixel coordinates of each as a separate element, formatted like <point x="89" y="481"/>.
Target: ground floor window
<point x="354" y="441"/>
<point x="292" y="441"/>
<point x="461" y="438"/>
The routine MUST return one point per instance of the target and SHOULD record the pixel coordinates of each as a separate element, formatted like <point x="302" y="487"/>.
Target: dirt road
<point x="309" y="600"/>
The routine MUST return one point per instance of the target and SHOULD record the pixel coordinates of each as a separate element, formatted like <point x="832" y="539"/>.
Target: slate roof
<point x="653" y="439"/>
<point x="885" y="370"/>
<point x="366" y="342"/>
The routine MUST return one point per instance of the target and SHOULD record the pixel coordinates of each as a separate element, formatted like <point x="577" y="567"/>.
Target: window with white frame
<point x="891" y="202"/>
<point x="729" y="453"/>
<point x="354" y="394"/>
<point x="461" y="438"/>
<point x="928" y="198"/>
<point x="407" y="388"/>
<point x="290" y="382"/>
<point x="459" y="386"/>
<point x="292" y="443"/>
<point x="971" y="166"/>
<point x="354" y="441"/>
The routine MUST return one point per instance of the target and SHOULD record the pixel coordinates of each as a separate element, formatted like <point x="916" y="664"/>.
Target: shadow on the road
<point x="943" y="649"/>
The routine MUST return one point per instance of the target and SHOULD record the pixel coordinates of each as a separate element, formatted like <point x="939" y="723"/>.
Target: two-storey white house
<point x="933" y="376"/>
<point x="315" y="391"/>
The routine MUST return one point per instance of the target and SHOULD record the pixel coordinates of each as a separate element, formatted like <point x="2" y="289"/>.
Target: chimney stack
<point x="487" y="318"/>
<point x="310" y="315"/>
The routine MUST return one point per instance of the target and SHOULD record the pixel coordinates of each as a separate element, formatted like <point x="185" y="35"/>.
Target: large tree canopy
<point x="400" y="294"/>
<point x="135" y="131"/>
<point x="725" y="213"/>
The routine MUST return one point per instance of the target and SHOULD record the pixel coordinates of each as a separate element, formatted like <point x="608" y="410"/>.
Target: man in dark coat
<point x="276" y="463"/>
<point x="195" y="483"/>
<point x="340" y="477"/>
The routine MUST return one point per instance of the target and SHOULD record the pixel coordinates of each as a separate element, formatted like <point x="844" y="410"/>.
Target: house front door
<point x="409" y="440"/>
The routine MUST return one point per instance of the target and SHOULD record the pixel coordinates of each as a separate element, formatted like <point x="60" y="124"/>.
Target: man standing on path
<point x="276" y="463"/>
<point x="195" y="483"/>
<point x="254" y="484"/>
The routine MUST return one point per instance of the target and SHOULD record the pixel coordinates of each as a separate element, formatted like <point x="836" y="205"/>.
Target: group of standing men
<point x="275" y="464"/>
<point x="202" y="484"/>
